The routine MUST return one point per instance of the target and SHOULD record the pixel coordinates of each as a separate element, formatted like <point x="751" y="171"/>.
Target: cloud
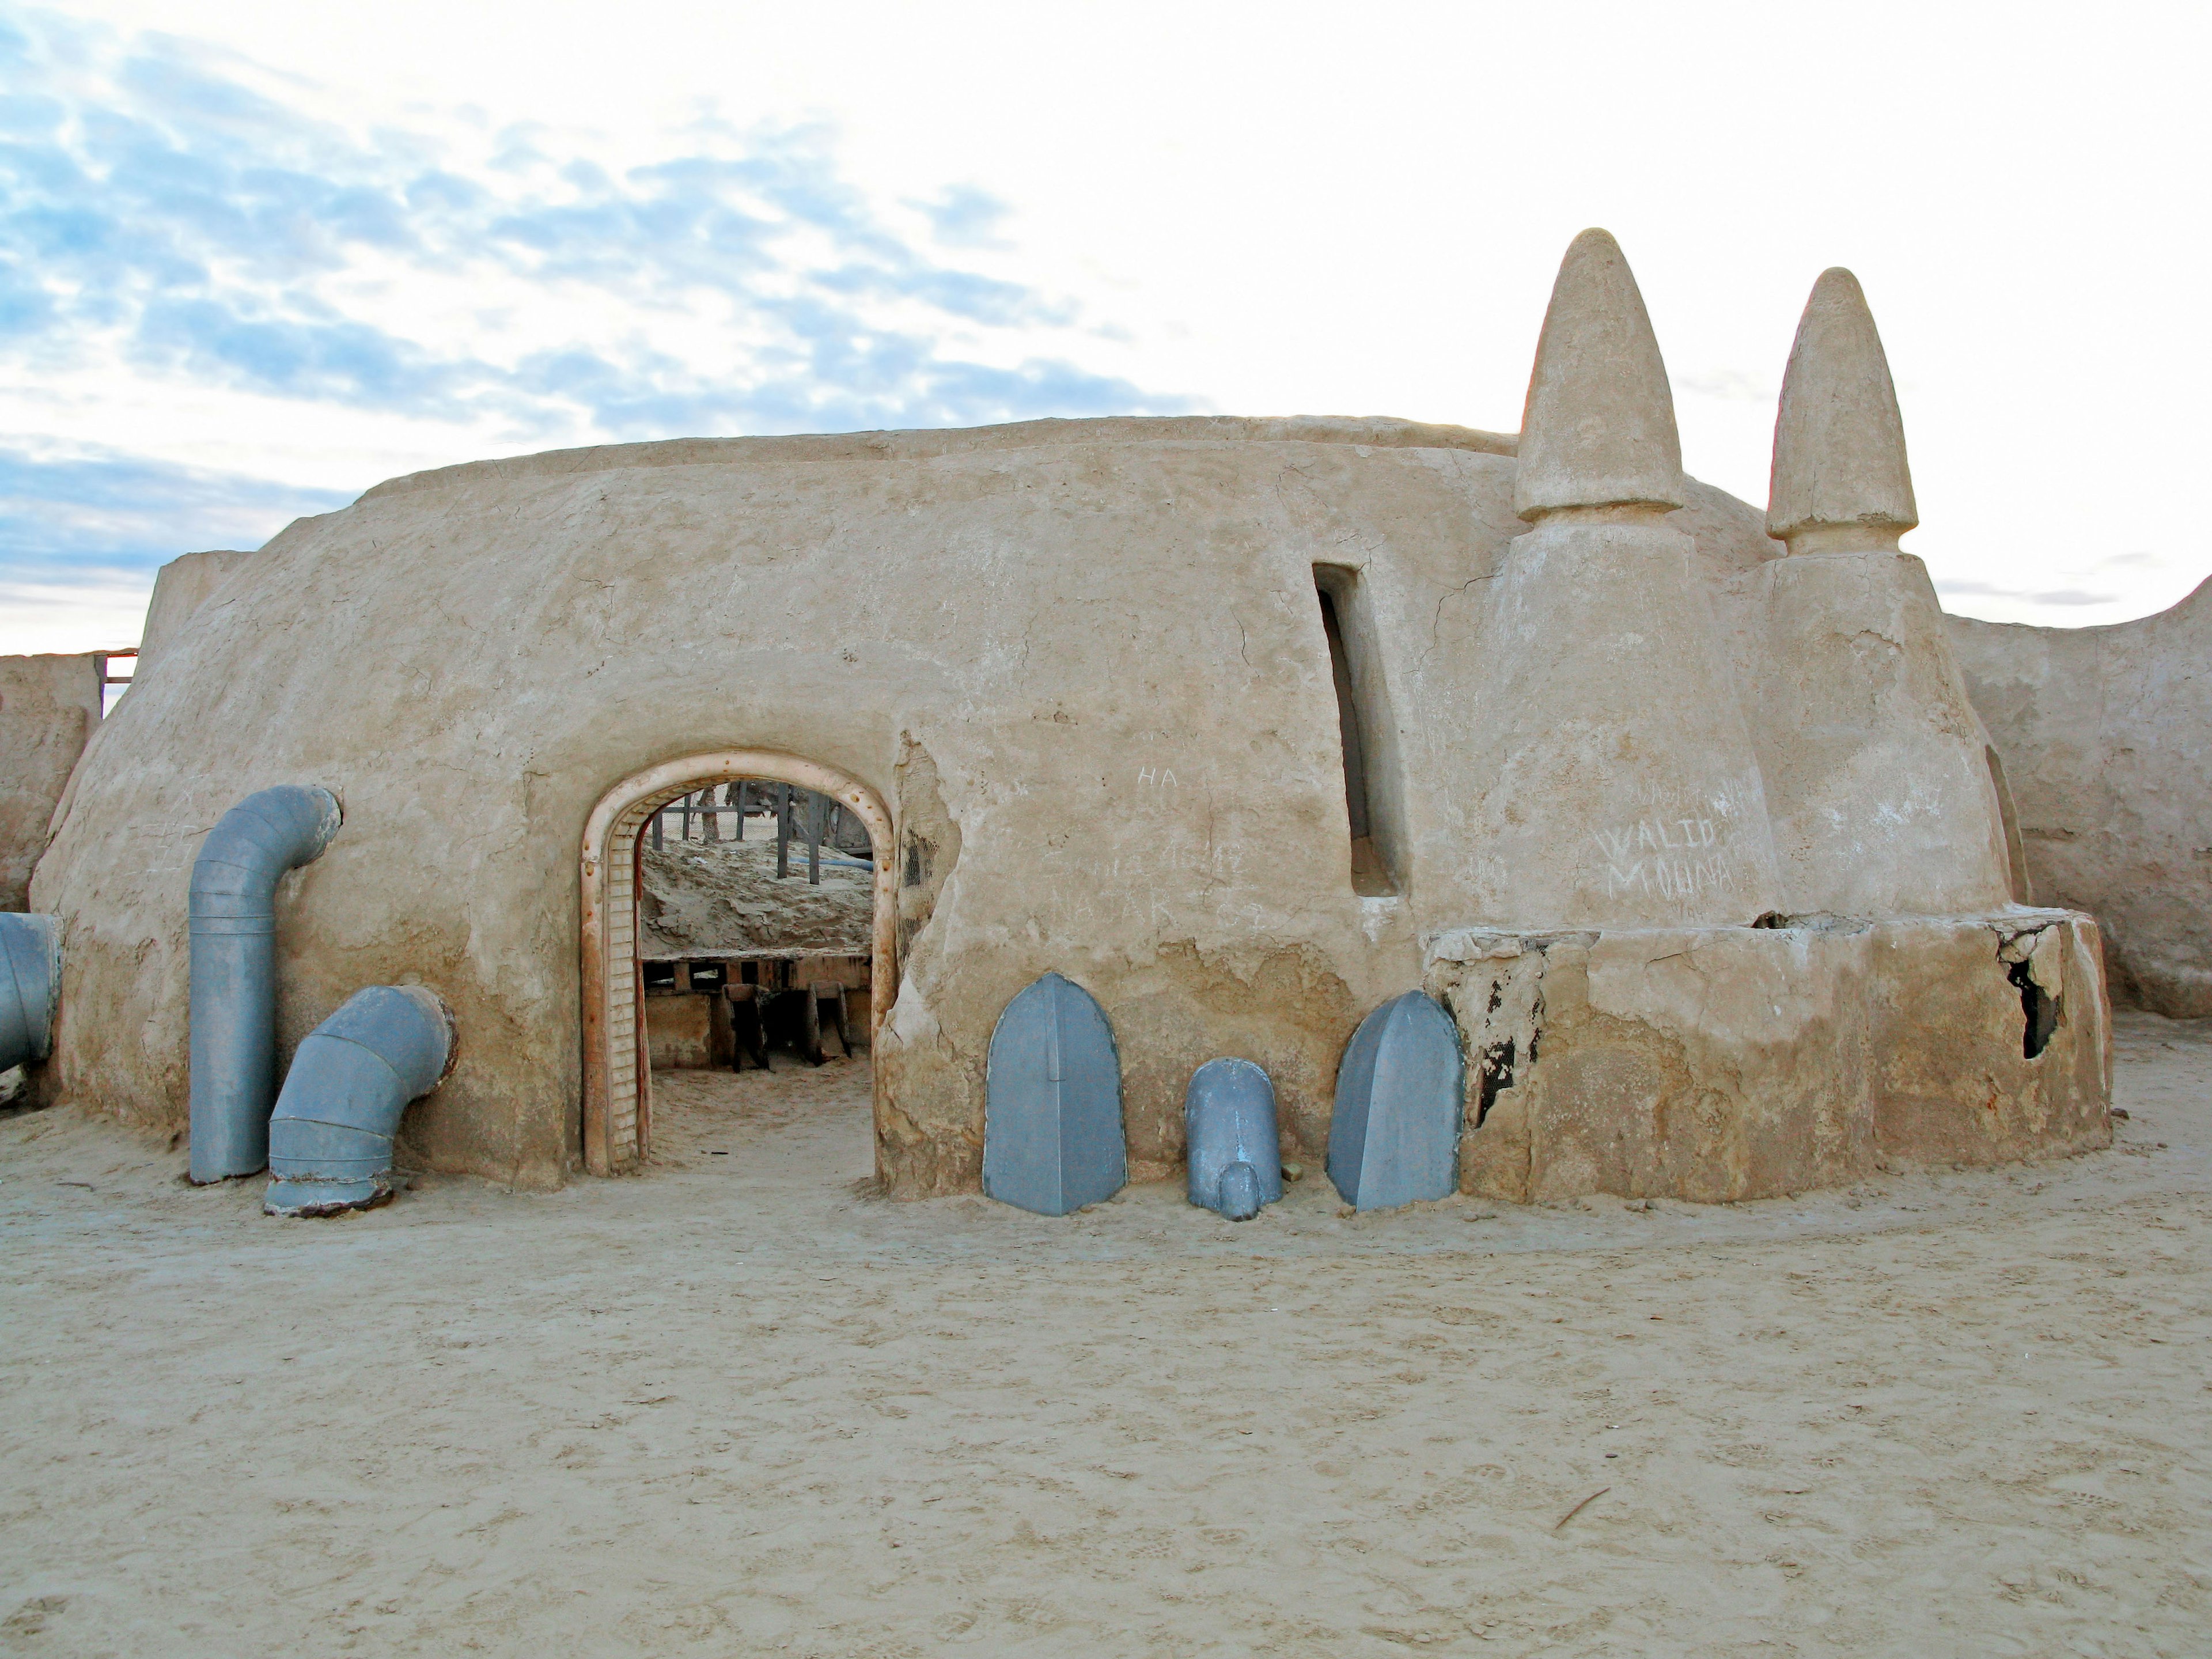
<point x="1728" y="386"/>
<point x="108" y="517"/>
<point x="154" y="204"/>
<point x="2059" y="596"/>
<point x="333" y="360"/>
<point x="964" y="217"/>
<point x="177" y="217"/>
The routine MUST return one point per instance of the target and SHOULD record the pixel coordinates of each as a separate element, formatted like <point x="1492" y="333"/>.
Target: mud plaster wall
<point x="49" y="709"/>
<point x="181" y="588"/>
<point x="2106" y="734"/>
<point x="1084" y="661"/>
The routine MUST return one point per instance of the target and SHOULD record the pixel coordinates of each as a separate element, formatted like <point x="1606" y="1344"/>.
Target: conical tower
<point x="1877" y="770"/>
<point x="1625" y="788"/>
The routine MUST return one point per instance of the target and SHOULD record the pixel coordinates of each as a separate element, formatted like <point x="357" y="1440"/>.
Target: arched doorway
<point x="617" y="1126"/>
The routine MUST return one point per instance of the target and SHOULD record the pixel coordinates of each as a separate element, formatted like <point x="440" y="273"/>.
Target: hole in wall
<point x="2038" y="1006"/>
<point x="1496" y="1075"/>
<point x="1365" y="732"/>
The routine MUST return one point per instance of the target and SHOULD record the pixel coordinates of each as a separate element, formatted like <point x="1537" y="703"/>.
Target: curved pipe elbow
<point x="329" y="1137"/>
<point x="233" y="968"/>
<point x="30" y="986"/>
<point x="245" y="854"/>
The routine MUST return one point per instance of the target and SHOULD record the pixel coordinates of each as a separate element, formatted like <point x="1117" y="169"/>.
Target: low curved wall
<point x="1724" y="1064"/>
<point x="2106" y="739"/>
<point x="49" y="709"/>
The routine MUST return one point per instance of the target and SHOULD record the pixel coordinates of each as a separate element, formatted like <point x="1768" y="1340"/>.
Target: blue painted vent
<point x="30" y="975"/>
<point x="1395" y="1138"/>
<point x="1052" y="1122"/>
<point x="232" y="911"/>
<point x="330" y="1136"/>
<point x="1229" y="1127"/>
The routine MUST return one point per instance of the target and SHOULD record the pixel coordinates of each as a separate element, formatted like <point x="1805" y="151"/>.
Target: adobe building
<point x="1245" y="725"/>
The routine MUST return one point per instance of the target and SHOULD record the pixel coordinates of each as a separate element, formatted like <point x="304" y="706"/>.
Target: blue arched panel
<point x="1052" y="1124"/>
<point x="1395" y="1137"/>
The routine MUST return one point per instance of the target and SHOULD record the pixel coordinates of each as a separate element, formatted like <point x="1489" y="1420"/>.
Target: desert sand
<point x="702" y="897"/>
<point x="738" y="1405"/>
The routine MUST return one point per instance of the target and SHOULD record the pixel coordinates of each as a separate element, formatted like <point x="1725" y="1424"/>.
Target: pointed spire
<point x="1839" y="441"/>
<point x="1599" y="428"/>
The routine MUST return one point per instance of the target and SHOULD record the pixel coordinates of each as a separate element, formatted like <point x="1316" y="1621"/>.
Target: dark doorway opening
<point x="756" y="912"/>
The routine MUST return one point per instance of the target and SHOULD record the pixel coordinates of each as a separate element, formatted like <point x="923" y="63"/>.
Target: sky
<point x="256" y="257"/>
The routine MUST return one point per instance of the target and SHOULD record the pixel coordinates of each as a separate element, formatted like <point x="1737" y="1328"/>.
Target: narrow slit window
<point x="1359" y="728"/>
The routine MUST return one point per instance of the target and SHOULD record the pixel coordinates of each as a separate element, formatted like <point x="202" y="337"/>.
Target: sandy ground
<point x="734" y="1405"/>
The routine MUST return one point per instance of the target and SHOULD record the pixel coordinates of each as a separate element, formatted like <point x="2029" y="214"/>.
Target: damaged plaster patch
<point x="928" y="851"/>
<point x="932" y="1138"/>
<point x="1494" y="985"/>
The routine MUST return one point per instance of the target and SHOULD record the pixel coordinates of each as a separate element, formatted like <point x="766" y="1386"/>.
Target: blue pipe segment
<point x="1233" y="1150"/>
<point x="233" y="969"/>
<point x="329" y="1137"/>
<point x="30" y="978"/>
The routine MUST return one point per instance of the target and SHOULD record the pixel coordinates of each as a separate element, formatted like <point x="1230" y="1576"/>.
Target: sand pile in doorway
<point x="713" y="897"/>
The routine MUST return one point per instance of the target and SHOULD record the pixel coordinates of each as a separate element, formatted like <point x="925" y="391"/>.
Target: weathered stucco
<point x="2106" y="739"/>
<point x="49" y="709"/>
<point x="181" y="588"/>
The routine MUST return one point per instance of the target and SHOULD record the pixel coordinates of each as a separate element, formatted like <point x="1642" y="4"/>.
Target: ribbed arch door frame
<point x="617" y="1126"/>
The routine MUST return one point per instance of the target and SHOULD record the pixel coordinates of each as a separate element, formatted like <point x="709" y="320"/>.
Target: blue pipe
<point x="30" y="974"/>
<point x="330" y="1138"/>
<point x="233" y="968"/>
